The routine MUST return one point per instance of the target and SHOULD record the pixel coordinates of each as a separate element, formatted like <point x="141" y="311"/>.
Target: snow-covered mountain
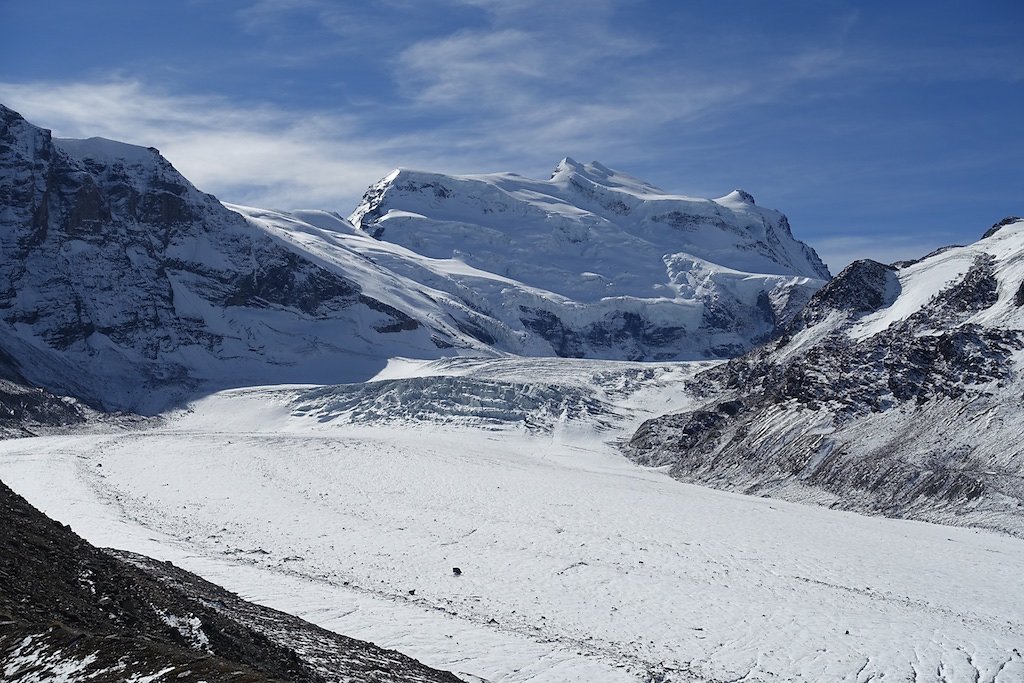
<point x="122" y="283"/>
<point x="595" y="263"/>
<point x="897" y="389"/>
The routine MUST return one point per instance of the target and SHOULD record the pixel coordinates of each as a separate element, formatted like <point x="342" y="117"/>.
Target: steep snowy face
<point x="603" y="264"/>
<point x="897" y="389"/>
<point x="120" y="282"/>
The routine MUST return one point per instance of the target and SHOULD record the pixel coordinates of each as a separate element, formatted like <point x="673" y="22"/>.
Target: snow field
<point x="576" y="565"/>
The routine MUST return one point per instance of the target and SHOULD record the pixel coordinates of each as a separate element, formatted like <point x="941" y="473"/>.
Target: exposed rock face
<point x="863" y="287"/>
<point x="106" y="221"/>
<point x="123" y="284"/>
<point x="897" y="390"/>
<point x="624" y="333"/>
<point x="71" y="612"/>
<point x="27" y="410"/>
<point x="594" y="263"/>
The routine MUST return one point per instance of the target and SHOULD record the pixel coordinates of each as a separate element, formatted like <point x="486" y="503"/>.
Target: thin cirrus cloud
<point x="535" y="82"/>
<point x="276" y="156"/>
<point x="824" y="116"/>
<point x="262" y="155"/>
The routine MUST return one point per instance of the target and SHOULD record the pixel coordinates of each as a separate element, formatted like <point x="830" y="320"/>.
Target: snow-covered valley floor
<point x="350" y="506"/>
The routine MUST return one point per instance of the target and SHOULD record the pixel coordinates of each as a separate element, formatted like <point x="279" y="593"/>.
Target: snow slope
<point x="919" y="282"/>
<point x="72" y="613"/>
<point x="576" y="565"/>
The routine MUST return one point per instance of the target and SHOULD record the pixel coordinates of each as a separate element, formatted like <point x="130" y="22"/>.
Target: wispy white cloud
<point x="473" y="67"/>
<point x="276" y="156"/>
<point x="524" y="81"/>
<point x="569" y="78"/>
<point x="513" y="85"/>
<point x="257" y="154"/>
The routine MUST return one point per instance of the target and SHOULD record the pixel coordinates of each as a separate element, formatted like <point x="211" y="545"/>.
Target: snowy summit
<point x="596" y="263"/>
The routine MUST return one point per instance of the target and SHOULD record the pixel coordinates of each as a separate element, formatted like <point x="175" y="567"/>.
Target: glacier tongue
<point x="575" y="565"/>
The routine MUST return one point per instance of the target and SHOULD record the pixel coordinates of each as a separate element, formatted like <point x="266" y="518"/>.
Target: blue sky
<point x="883" y="129"/>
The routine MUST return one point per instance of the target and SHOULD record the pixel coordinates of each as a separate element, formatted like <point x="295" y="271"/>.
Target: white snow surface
<point x="576" y="565"/>
<point x="586" y="217"/>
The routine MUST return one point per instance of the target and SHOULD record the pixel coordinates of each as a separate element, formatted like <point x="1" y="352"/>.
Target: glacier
<point x="327" y="414"/>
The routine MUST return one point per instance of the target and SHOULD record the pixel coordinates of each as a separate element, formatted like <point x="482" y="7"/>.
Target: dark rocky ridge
<point x="103" y="616"/>
<point x="1009" y="220"/>
<point x="898" y="423"/>
<point x="862" y="287"/>
<point x="27" y="411"/>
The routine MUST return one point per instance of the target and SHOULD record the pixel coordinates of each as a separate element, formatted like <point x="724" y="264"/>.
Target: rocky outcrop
<point x="28" y="411"/>
<point x="897" y="390"/>
<point x="996" y="227"/>
<point x="72" y="612"/>
<point x="862" y="287"/>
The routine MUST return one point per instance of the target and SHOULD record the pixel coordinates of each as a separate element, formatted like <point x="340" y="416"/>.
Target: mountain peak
<point x="145" y="289"/>
<point x="566" y="164"/>
<point x="598" y="263"/>
<point x="1009" y="220"/>
<point x="737" y="196"/>
<point x="569" y="170"/>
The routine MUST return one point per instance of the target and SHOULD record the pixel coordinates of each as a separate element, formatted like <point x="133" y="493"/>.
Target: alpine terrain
<point x="119" y="274"/>
<point x="452" y="425"/>
<point x="898" y="389"/>
<point x="594" y="263"/>
<point x="123" y="285"/>
<point x="73" y="612"/>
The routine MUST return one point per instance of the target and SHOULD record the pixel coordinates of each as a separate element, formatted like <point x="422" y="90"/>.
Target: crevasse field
<point x="350" y="506"/>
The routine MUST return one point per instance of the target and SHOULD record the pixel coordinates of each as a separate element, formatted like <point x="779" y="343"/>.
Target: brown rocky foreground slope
<point x="72" y="612"/>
